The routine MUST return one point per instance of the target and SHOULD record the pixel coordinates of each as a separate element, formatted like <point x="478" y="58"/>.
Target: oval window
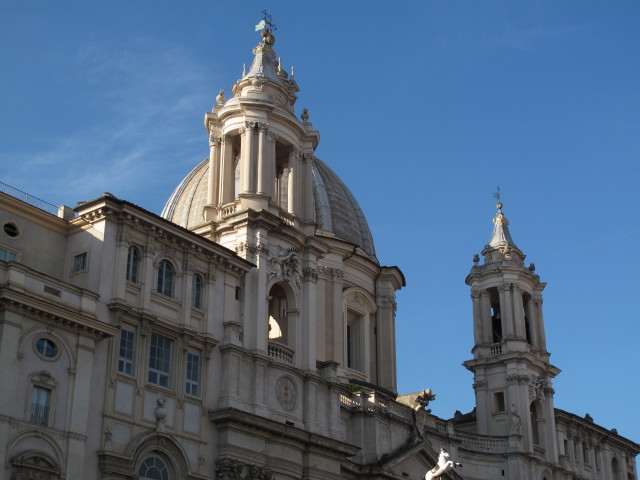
<point x="11" y="229"/>
<point x="46" y="348"/>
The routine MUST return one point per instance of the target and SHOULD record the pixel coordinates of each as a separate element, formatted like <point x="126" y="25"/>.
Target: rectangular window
<point x="40" y="403"/>
<point x="196" y="291"/>
<point x="498" y="402"/>
<point x="355" y="351"/>
<point x="80" y="262"/>
<point x="193" y="374"/>
<point x="133" y="257"/>
<point x="125" y="357"/>
<point x="159" y="360"/>
<point x="7" y="255"/>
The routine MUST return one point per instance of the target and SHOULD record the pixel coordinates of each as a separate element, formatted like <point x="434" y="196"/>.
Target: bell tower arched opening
<point x="281" y="324"/>
<point x="496" y="315"/>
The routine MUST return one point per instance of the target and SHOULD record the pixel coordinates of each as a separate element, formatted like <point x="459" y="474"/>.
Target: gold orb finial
<point x="267" y="27"/>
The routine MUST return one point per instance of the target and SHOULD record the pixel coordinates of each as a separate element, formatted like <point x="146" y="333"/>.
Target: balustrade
<point x="280" y="353"/>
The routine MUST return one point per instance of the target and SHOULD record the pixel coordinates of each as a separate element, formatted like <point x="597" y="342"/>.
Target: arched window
<point x="278" y="328"/>
<point x="615" y="469"/>
<point x="165" y="278"/>
<point x="281" y="328"/>
<point x="196" y="291"/>
<point x="496" y="316"/>
<point x="153" y="468"/>
<point x="133" y="257"/>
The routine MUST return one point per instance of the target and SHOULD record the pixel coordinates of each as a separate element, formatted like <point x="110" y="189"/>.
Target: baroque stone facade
<point x="249" y="331"/>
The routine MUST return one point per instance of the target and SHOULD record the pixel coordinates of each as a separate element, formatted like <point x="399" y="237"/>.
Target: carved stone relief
<point x="227" y="469"/>
<point x="285" y="264"/>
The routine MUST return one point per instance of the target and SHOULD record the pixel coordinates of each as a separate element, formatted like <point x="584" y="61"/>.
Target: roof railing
<point x="30" y="199"/>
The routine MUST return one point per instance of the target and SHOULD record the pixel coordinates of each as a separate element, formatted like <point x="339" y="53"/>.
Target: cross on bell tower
<point x="512" y="374"/>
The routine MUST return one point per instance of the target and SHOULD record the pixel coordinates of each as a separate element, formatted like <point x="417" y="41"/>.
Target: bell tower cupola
<point x="512" y="374"/>
<point x="260" y="153"/>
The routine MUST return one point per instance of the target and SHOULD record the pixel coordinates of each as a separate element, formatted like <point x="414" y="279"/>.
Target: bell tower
<point x="260" y="153"/>
<point x="512" y="373"/>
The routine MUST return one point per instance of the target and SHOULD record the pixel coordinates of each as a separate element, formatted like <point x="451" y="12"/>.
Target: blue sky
<point x="423" y="109"/>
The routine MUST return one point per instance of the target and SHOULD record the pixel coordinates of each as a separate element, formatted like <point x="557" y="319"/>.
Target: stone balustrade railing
<point x="280" y="352"/>
<point x="226" y="210"/>
<point x="287" y="218"/>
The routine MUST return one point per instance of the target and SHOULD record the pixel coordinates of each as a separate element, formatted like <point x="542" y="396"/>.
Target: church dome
<point x="336" y="209"/>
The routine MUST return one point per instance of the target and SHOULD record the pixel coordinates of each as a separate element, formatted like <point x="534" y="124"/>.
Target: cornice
<point x="602" y="434"/>
<point x="233" y="418"/>
<point x="123" y="212"/>
<point x="55" y="314"/>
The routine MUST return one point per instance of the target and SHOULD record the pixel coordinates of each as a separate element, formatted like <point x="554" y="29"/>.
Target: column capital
<point x="214" y="140"/>
<point x="251" y="125"/>
<point x="262" y="127"/>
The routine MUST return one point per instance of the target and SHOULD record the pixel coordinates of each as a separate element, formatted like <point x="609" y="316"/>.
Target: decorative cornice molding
<point x="518" y="378"/>
<point x="79" y="327"/>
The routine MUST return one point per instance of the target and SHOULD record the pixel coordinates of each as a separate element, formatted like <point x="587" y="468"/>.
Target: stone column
<point x="338" y="317"/>
<point x="149" y="272"/>
<point x="506" y="311"/>
<point x="263" y="166"/>
<point x="247" y="167"/>
<point x="214" y="170"/>
<point x="81" y="407"/>
<point x="227" y="180"/>
<point x="294" y="173"/>
<point x="538" y="321"/>
<point x="533" y="327"/>
<point x="518" y="312"/>
<point x="270" y="170"/>
<point x="483" y="404"/>
<point x="477" y="316"/>
<point x="9" y="356"/>
<point x="307" y="191"/>
<point x="262" y="307"/>
<point x="487" y="326"/>
<point x="122" y="253"/>
<point x="385" y="338"/>
<point x="189" y="270"/>
<point x="307" y="302"/>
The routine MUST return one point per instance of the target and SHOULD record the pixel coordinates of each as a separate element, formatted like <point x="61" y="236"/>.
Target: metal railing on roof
<point x="30" y="199"/>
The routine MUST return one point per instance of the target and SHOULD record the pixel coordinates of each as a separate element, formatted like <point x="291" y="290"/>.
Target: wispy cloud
<point x="142" y="122"/>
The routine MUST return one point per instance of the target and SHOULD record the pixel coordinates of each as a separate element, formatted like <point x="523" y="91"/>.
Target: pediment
<point x="413" y="462"/>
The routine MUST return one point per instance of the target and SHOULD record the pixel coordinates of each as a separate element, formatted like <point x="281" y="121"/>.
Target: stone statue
<point x="516" y="422"/>
<point x="422" y="401"/>
<point x="286" y="265"/>
<point x="161" y="414"/>
<point x="444" y="465"/>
